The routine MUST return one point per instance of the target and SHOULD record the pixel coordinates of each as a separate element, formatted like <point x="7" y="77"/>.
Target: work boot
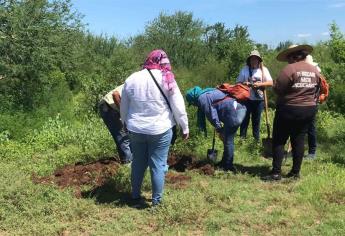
<point x="231" y="168"/>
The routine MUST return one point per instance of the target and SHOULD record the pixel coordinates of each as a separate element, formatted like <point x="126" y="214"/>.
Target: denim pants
<point x="254" y="109"/>
<point x="230" y="129"/>
<point x="150" y="151"/>
<point x="112" y="120"/>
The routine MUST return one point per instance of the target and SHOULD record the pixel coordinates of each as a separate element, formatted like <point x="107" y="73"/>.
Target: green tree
<point x="283" y="45"/>
<point x="217" y="38"/>
<point x="106" y="63"/>
<point x="237" y="50"/>
<point x="180" y="35"/>
<point x="337" y="43"/>
<point x="37" y="37"/>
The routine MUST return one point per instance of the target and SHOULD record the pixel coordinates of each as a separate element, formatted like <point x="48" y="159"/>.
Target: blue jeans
<point x="112" y="120"/>
<point x="230" y="129"/>
<point x="152" y="151"/>
<point x="254" y="108"/>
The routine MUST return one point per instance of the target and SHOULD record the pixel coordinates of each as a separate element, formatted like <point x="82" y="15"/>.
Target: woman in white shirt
<point x="257" y="76"/>
<point x="149" y="111"/>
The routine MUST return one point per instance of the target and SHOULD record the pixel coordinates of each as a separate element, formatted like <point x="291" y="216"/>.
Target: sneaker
<point x="311" y="156"/>
<point x="138" y="203"/>
<point x="272" y="177"/>
<point x="293" y="175"/>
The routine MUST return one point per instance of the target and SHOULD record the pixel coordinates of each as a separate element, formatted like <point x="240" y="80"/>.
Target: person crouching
<point x="219" y="108"/>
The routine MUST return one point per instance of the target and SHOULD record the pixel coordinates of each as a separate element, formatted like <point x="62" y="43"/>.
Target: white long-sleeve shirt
<point x="144" y="109"/>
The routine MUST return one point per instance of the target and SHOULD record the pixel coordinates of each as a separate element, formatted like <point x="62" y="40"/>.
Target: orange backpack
<point x="238" y="91"/>
<point x="323" y="89"/>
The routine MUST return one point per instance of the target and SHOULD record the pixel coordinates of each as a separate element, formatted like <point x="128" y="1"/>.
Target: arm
<point x="117" y="95"/>
<point x="179" y="110"/>
<point x="117" y="98"/>
<point x="282" y="83"/>
<point x="267" y="80"/>
<point x="242" y="77"/>
<point x="124" y="105"/>
<point x="211" y="113"/>
<point x="263" y="84"/>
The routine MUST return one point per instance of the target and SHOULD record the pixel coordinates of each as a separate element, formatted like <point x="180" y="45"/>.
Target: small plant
<point x="4" y="136"/>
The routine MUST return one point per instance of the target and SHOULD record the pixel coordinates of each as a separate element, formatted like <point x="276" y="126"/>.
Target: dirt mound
<point x="182" y="163"/>
<point x="94" y="174"/>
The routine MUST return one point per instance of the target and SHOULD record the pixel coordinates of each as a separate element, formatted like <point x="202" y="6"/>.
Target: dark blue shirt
<point x="219" y="108"/>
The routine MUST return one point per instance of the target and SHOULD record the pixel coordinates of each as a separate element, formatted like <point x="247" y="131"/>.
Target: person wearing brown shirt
<point x="296" y="106"/>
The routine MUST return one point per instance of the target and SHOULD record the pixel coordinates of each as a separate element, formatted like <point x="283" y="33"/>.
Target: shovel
<point x="212" y="153"/>
<point x="267" y="142"/>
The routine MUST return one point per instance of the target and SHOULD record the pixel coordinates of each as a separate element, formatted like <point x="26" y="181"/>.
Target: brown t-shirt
<point x="297" y="85"/>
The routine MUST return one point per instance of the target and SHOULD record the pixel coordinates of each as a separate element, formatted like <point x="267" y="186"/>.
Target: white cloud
<point x="337" y="5"/>
<point x="303" y="35"/>
<point x="325" y="33"/>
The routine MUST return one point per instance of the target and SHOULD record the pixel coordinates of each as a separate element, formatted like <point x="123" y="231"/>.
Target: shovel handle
<point x="266" y="102"/>
<point x="214" y="139"/>
<point x="266" y="114"/>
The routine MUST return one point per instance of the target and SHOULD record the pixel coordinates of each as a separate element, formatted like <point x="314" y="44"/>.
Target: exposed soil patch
<point x="96" y="174"/>
<point x="183" y="162"/>
<point x="177" y="180"/>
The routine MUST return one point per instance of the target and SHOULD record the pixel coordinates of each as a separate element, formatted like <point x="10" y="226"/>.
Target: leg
<point x="245" y="122"/>
<point x="312" y="137"/>
<point x="140" y="162"/>
<point x="158" y="154"/>
<point x="280" y="135"/>
<point x="228" y="154"/>
<point x="123" y="146"/>
<point x="297" y="142"/>
<point x="112" y="120"/>
<point x="257" y="109"/>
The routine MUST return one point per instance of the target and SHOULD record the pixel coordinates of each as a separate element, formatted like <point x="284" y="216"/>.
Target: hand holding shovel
<point x="212" y="153"/>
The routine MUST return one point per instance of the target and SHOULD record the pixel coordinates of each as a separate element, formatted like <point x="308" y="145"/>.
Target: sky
<point x="268" y="21"/>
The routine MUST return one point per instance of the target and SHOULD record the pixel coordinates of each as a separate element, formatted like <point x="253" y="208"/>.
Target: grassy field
<point x="221" y="204"/>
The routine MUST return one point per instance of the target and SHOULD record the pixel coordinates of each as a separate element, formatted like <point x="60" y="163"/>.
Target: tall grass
<point x="223" y="204"/>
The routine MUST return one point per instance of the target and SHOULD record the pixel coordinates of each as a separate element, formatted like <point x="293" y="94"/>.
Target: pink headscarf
<point x="158" y="59"/>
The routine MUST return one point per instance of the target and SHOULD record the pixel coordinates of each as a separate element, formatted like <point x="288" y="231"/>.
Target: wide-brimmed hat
<point x="283" y="56"/>
<point x="254" y="53"/>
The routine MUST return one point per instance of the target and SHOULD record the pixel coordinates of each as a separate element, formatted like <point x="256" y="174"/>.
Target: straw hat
<point x="254" y="53"/>
<point x="283" y="56"/>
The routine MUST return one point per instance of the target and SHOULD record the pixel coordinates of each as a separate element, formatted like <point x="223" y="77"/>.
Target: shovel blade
<point x="212" y="154"/>
<point x="267" y="147"/>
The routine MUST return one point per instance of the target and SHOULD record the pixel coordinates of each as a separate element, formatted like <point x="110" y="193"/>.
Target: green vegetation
<point x="53" y="73"/>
